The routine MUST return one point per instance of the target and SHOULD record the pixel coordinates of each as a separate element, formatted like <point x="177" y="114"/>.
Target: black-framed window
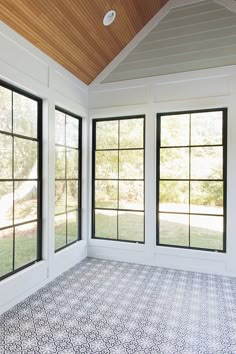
<point x="191" y="179"/>
<point x="20" y="179"/>
<point x="68" y="143"/>
<point x="118" y="179"/>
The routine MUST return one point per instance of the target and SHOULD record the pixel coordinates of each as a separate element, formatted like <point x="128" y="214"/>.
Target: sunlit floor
<point x="107" y="307"/>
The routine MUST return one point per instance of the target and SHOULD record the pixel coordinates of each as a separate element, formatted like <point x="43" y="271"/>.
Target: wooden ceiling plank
<point x="52" y="51"/>
<point x="72" y="32"/>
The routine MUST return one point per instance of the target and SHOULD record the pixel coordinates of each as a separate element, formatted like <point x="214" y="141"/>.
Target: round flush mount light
<point x="109" y="18"/>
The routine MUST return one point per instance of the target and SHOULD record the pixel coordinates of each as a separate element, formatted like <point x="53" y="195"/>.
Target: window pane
<point x="72" y="195"/>
<point x="131" y="226"/>
<point x="131" y="195"/>
<point x="60" y="231"/>
<point x="5" y="109"/>
<point x="67" y="180"/>
<point x="6" y="204"/>
<point x="25" y="111"/>
<point x="6" y="251"/>
<point x="174" y="196"/>
<point x="72" y="163"/>
<point x="206" y="197"/>
<point x="131" y="133"/>
<point x="174" y="163"/>
<point x="207" y="163"/>
<point x="72" y="226"/>
<point x="106" y="224"/>
<point x="72" y="131"/>
<point x="25" y="201"/>
<point x="206" y="128"/>
<point x="106" y="193"/>
<point x="60" y="124"/>
<point x="107" y="164"/>
<point x="175" y="130"/>
<point x="107" y="135"/>
<point x="25" y="244"/>
<point x="131" y="164"/>
<point x="60" y="162"/>
<point x="206" y="232"/>
<point x="174" y="229"/>
<point x="5" y="156"/>
<point x="25" y="159"/>
<point x="60" y="197"/>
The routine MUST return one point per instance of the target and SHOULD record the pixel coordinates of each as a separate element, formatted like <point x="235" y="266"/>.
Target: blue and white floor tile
<point x="107" y="307"/>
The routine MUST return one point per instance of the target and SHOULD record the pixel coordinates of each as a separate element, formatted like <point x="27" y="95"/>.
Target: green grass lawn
<point x="60" y="230"/>
<point x="25" y="253"/>
<point x="177" y="234"/>
<point x="130" y="228"/>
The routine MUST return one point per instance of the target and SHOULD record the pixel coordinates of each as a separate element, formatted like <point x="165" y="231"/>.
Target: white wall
<point x="212" y="88"/>
<point x="24" y="66"/>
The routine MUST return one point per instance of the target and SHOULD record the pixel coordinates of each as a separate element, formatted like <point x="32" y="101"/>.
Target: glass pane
<point x="72" y="163"/>
<point x="5" y="109"/>
<point x="131" y="164"/>
<point x="25" y="159"/>
<point x="107" y="135"/>
<point x="60" y="231"/>
<point x="175" y="130"/>
<point x="174" y="163"/>
<point x="72" y="131"/>
<point x="131" y="226"/>
<point x="25" y="113"/>
<point x="25" y="244"/>
<point x="60" y="197"/>
<point x="131" y="195"/>
<point x="5" y="156"/>
<point x="107" y="164"/>
<point x="207" y="163"/>
<point x="206" y="128"/>
<point x="106" y="224"/>
<point x="72" y="227"/>
<point x="131" y="133"/>
<point x="25" y="201"/>
<point x="106" y="193"/>
<point x="72" y="195"/>
<point x="6" y="204"/>
<point x="174" y="196"/>
<point x="206" y="197"/>
<point x="60" y="124"/>
<point x="206" y="232"/>
<point x="60" y="162"/>
<point x="6" y="251"/>
<point x="174" y="229"/>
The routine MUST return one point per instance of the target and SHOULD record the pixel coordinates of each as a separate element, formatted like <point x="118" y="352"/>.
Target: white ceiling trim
<point x="229" y="4"/>
<point x="140" y="36"/>
<point x="164" y="79"/>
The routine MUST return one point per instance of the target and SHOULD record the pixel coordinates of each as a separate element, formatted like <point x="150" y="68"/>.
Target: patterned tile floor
<point x="107" y="307"/>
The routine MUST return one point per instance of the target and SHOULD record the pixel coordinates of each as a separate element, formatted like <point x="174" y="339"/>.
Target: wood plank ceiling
<point x="72" y="33"/>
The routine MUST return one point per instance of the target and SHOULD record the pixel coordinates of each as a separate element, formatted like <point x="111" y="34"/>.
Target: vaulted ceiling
<point x="195" y="36"/>
<point x="72" y="33"/>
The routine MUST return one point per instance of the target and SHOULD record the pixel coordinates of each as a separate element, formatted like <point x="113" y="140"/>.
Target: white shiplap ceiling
<point x="192" y="37"/>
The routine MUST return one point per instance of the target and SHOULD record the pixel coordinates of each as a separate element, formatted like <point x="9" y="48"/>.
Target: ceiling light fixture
<point x="109" y="18"/>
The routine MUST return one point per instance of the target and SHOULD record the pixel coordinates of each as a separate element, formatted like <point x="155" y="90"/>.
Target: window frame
<point x="118" y="118"/>
<point x="79" y="180"/>
<point x="39" y="179"/>
<point x="224" y="111"/>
